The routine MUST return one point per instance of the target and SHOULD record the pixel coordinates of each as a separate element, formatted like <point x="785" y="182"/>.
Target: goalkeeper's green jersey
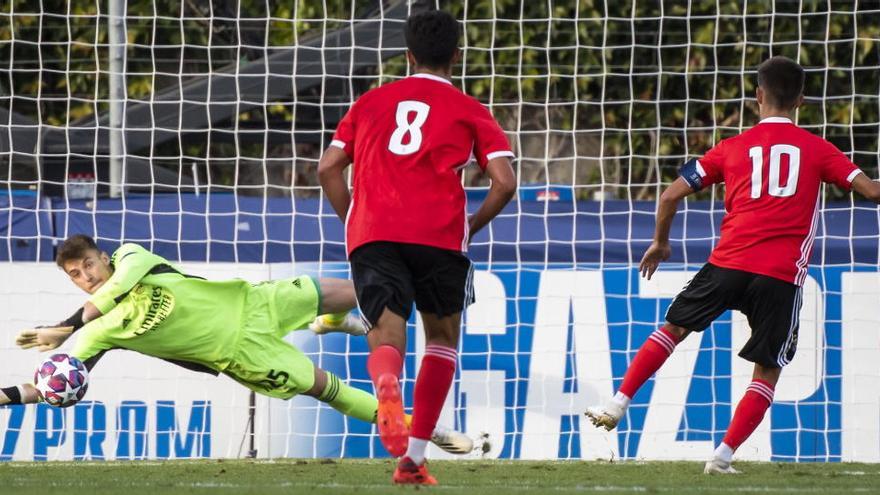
<point x="152" y="308"/>
<point x="130" y="263"/>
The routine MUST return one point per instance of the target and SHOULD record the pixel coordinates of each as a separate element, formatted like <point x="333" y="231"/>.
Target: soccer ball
<point x="61" y="380"/>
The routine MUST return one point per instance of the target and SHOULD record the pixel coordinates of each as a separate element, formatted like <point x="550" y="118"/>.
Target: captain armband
<point x="692" y="173"/>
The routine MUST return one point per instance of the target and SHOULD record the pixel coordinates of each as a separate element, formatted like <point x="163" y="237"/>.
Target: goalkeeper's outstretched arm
<point x="106" y="279"/>
<point x="22" y="394"/>
<point x="26" y="393"/>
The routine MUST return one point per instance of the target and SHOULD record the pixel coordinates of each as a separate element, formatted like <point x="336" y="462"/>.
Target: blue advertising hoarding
<point x="560" y="313"/>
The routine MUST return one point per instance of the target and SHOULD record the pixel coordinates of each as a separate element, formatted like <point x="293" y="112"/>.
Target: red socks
<point x="384" y="359"/>
<point x="648" y="360"/>
<point x="654" y="352"/>
<point x="749" y="412"/>
<point x="432" y="386"/>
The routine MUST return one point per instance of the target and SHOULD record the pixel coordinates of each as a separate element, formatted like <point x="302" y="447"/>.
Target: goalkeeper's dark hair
<point x="782" y="80"/>
<point x="73" y="248"/>
<point x="432" y="38"/>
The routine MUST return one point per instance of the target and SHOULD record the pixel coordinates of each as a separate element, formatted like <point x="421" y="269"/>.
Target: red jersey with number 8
<point x="773" y="173"/>
<point x="409" y="141"/>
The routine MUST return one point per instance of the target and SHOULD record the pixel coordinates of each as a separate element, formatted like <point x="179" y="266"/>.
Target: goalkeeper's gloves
<point x="43" y="338"/>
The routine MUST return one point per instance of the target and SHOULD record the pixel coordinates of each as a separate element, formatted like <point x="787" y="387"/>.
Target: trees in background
<point x="609" y="101"/>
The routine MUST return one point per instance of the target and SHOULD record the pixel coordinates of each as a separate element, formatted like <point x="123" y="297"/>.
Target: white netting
<point x="220" y="115"/>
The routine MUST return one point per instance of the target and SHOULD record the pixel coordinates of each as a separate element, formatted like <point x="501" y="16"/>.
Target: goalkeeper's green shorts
<point x="265" y="362"/>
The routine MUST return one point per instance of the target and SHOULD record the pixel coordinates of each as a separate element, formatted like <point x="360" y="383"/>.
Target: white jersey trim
<point x="468" y="287"/>
<point x="467" y="230"/>
<point x="337" y="143"/>
<point x="781" y="358"/>
<point x="807" y="246"/>
<point x="851" y="177"/>
<point x="345" y="231"/>
<point x="776" y="120"/>
<point x="422" y="75"/>
<point x="498" y="154"/>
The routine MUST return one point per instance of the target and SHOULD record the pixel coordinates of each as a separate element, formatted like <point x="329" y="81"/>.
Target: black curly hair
<point x="432" y="38"/>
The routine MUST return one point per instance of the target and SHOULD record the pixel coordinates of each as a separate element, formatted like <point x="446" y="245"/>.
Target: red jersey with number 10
<point x="409" y="141"/>
<point x="773" y="173"/>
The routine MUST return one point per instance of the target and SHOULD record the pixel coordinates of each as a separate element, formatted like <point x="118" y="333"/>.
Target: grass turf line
<point x="316" y="477"/>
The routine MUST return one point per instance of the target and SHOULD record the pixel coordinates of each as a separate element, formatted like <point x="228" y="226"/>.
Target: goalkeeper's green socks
<point x="348" y="400"/>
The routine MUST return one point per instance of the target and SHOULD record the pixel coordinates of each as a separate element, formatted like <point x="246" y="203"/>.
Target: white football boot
<point x="719" y="466"/>
<point x="452" y="441"/>
<point x="351" y="325"/>
<point x="606" y="416"/>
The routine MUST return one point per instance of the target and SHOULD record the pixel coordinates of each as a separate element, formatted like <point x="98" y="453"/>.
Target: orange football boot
<point x="410" y="473"/>
<point x="390" y="418"/>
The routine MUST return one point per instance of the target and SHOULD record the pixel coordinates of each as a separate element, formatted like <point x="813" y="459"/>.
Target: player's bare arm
<point x="500" y="193"/>
<point x="867" y="187"/>
<point x="331" y="175"/>
<point x="667" y="206"/>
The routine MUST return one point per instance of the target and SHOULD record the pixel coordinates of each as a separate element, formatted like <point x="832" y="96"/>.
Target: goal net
<point x="194" y="129"/>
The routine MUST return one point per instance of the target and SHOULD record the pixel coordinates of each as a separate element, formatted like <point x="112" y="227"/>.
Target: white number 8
<point x="776" y="152"/>
<point x="404" y="127"/>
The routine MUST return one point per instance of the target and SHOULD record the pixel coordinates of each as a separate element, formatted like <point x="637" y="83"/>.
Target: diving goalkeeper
<point x="140" y="302"/>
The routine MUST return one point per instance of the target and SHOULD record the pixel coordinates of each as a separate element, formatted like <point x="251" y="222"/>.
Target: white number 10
<point x="773" y="188"/>
<point x="404" y="127"/>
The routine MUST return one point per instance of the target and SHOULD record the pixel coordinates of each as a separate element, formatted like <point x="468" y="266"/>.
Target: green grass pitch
<point x="314" y="477"/>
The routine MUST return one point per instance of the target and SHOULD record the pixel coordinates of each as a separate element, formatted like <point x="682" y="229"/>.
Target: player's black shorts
<point x="392" y="275"/>
<point x="772" y="307"/>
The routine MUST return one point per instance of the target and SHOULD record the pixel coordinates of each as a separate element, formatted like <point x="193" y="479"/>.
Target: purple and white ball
<point x="61" y="380"/>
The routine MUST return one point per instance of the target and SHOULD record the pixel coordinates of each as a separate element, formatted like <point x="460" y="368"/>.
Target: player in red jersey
<point x="406" y="223"/>
<point x="773" y="173"/>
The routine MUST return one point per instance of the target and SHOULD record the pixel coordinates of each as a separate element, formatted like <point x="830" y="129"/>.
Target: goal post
<point x="226" y="108"/>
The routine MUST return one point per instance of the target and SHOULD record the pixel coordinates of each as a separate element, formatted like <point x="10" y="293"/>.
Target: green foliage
<point x="592" y="93"/>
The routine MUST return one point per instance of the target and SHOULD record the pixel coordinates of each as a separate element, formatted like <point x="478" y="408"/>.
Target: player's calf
<point x="390" y="417"/>
<point x="337" y="295"/>
<point x="432" y="386"/>
<point x="384" y="365"/>
<point x="648" y="360"/>
<point x="651" y="356"/>
<point x="748" y="415"/>
<point x="356" y="403"/>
